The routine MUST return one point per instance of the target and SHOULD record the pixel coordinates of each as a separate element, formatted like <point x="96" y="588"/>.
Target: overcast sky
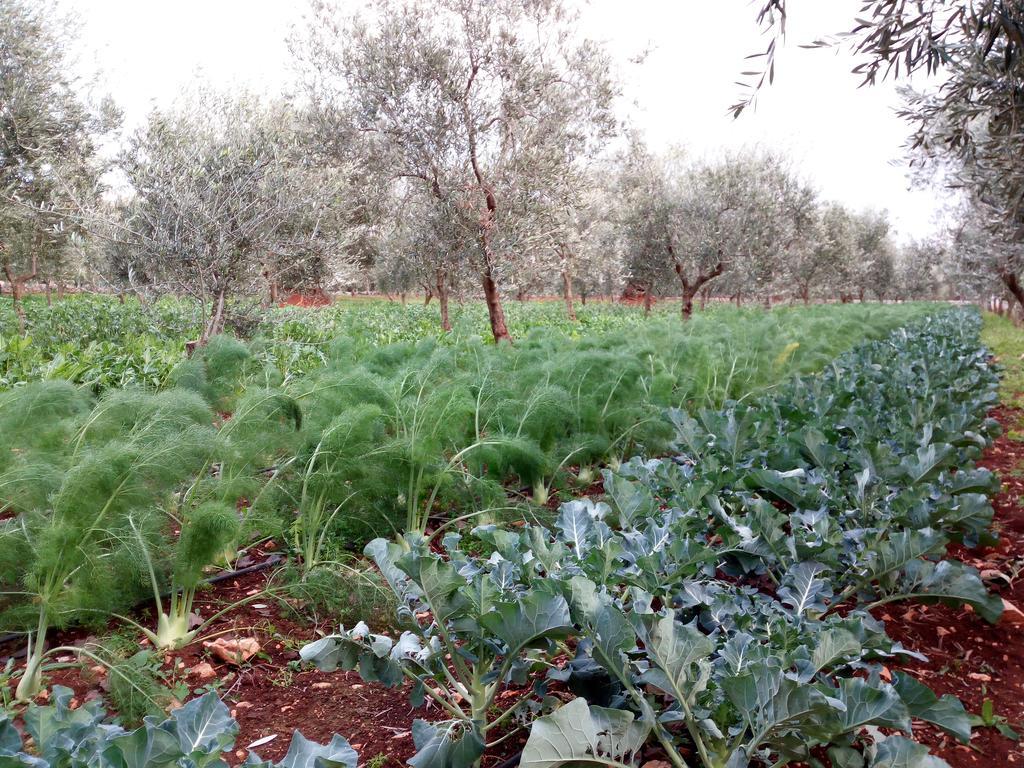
<point x="845" y="139"/>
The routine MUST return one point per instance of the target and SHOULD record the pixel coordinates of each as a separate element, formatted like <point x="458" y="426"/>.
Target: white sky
<point x="845" y="139"/>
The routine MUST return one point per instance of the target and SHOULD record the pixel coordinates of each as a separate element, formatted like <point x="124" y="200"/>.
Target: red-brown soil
<point x="967" y="656"/>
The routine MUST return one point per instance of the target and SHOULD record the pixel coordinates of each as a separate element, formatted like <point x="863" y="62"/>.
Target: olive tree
<point x="819" y="268"/>
<point x="483" y="104"/>
<point x="733" y="221"/>
<point x="967" y="123"/>
<point x="47" y="144"/>
<point x="919" y="268"/>
<point x="225" y="199"/>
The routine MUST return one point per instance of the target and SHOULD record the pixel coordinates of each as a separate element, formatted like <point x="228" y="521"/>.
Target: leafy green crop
<point x="719" y="601"/>
<point x="92" y="494"/>
<point x="196" y="734"/>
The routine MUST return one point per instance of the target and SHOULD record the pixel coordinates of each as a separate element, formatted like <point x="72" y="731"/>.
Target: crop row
<point x="719" y="603"/>
<point x="99" y="343"/>
<point x="105" y="500"/>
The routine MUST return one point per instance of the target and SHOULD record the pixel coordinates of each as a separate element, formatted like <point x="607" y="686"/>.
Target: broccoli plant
<point x="474" y="628"/>
<point x="197" y="734"/>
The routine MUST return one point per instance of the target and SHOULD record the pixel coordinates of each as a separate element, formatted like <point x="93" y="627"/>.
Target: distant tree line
<point x="449" y="148"/>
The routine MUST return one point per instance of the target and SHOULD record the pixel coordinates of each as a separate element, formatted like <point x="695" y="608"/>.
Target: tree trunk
<point x="401" y="297"/>
<point x="1014" y="287"/>
<point x="49" y="294"/>
<point x="704" y="299"/>
<point x="688" y="294"/>
<point x="690" y="287"/>
<point x="17" y="285"/>
<point x="442" y="300"/>
<point x="583" y="298"/>
<point x="60" y="291"/>
<point x="567" y="292"/>
<point x="805" y="294"/>
<point x="495" y="312"/>
<point x="216" y="322"/>
<point x="647" y="301"/>
<point x="428" y="294"/>
<point x="19" y="310"/>
<point x="860" y="295"/>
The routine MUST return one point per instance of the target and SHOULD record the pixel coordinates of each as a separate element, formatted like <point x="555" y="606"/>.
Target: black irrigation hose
<point x="269" y="562"/>
<point x="511" y="762"/>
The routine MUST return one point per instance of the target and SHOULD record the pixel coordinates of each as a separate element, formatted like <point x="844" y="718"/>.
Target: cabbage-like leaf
<point x="947" y="712"/>
<point x="578" y="735"/>
<point x="445" y="744"/>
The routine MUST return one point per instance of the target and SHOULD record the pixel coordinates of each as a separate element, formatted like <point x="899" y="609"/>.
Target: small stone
<point x="321" y="686"/>
<point x="1012" y="615"/>
<point x="235" y="651"/>
<point x="980" y="676"/>
<point x="243" y="705"/>
<point x="204" y="671"/>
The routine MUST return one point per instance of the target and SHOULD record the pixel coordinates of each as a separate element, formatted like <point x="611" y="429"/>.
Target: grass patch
<point x="1006" y="341"/>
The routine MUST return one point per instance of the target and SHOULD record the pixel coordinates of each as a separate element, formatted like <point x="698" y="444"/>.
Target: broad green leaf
<point x="802" y="591"/>
<point x="151" y="746"/>
<point x="575" y="523"/>
<point x="537" y="616"/>
<point x="579" y="735"/>
<point x="832" y="645"/>
<point x="946" y="712"/>
<point x="204" y="725"/>
<point x="303" y="753"/>
<point x="679" y="655"/>
<point x="900" y="752"/>
<point x="445" y="744"/>
<point x="631" y="500"/>
<point x="948" y="581"/>
<point x="868" y="704"/>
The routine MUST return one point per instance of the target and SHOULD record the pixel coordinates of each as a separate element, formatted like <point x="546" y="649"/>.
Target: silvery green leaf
<point x="575" y="523"/>
<point x="303" y="753"/>
<point x="577" y="734"/>
<point x="900" y="752"/>
<point x="408" y="646"/>
<point x="149" y="745"/>
<point x="536" y="616"/>
<point x="386" y="554"/>
<point x="868" y="704"/>
<point x="802" y="591"/>
<point x="445" y="744"/>
<point x="832" y="645"/>
<point x="204" y="725"/>
<point x="946" y="712"/>
<point x="632" y="500"/>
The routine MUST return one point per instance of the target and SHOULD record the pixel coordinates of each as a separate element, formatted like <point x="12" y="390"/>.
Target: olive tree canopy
<point x="484" y="104"/>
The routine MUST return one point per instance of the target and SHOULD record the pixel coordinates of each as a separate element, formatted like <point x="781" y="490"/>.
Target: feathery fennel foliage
<point x="68" y="551"/>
